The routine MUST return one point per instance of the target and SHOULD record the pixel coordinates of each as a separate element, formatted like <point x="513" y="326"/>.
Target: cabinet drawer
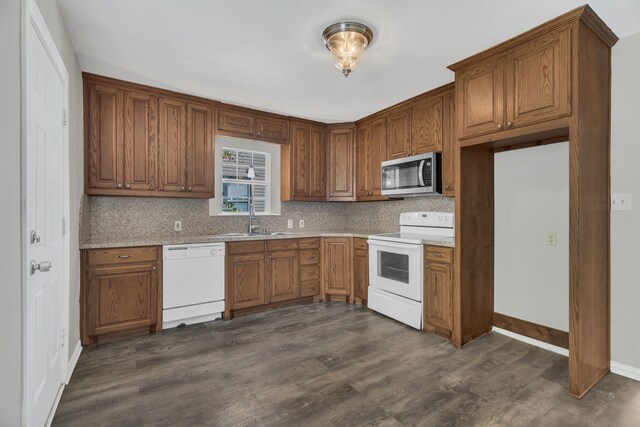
<point x="359" y="243"/>
<point x="309" y="243"/>
<point x="310" y="288"/>
<point x="235" y="122"/>
<point x="309" y="272"/>
<point x="309" y="257"/>
<point x="251" y="246"/>
<point x="122" y="255"/>
<point x="439" y="254"/>
<point x="282" y="245"/>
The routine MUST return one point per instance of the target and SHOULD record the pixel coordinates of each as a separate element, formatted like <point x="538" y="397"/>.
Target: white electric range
<point x="396" y="264"/>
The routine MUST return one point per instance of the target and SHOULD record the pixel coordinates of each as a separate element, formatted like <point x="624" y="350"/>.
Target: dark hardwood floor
<point x="330" y="364"/>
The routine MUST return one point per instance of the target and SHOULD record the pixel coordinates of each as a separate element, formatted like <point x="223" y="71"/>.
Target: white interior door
<point x="44" y="213"/>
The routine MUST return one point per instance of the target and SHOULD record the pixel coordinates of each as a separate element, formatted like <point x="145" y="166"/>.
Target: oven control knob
<point x="214" y="252"/>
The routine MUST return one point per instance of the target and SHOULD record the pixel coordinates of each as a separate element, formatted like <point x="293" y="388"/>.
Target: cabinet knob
<point x="119" y="185"/>
<point x="153" y="268"/>
<point x="181" y="188"/>
<point x="330" y="194"/>
<point x="128" y="185"/>
<point x="189" y="188"/>
<point x="499" y="125"/>
<point x="509" y="124"/>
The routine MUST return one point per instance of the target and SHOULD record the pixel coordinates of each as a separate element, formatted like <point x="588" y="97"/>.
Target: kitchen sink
<point x="270" y="233"/>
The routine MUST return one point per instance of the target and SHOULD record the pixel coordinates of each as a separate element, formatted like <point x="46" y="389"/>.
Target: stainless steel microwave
<point x="412" y="176"/>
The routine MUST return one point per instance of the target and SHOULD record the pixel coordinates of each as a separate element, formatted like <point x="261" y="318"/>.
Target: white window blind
<point x="236" y="185"/>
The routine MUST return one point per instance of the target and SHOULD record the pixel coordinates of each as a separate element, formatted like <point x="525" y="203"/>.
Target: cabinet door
<point x="105" y="154"/>
<point x="480" y="97"/>
<point x="362" y="171"/>
<point x="426" y="126"/>
<point x="140" y="140"/>
<point x="399" y="134"/>
<point x="317" y="163"/>
<point x="438" y="294"/>
<point x="371" y="152"/>
<point x="340" y="168"/>
<point x="200" y="149"/>
<point x="361" y="273"/>
<point x="121" y="298"/>
<point x="246" y="280"/>
<point x="172" y="145"/>
<point x="337" y="266"/>
<point x="272" y="129"/>
<point x="539" y="80"/>
<point x="300" y="144"/>
<point x="283" y="276"/>
<point x="235" y="122"/>
<point x="449" y="142"/>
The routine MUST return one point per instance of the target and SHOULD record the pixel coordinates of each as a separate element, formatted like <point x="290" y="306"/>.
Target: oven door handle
<point x="383" y="244"/>
<point x="421" y="173"/>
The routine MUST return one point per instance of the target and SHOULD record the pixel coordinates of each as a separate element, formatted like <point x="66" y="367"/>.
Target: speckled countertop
<point x="180" y="240"/>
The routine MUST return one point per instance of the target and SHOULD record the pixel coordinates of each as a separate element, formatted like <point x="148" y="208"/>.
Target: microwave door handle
<point x="421" y="173"/>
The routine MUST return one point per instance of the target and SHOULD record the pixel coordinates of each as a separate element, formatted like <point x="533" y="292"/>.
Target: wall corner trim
<point x="73" y="361"/>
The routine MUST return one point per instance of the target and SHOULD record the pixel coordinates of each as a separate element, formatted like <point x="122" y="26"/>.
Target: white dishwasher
<point x="192" y="283"/>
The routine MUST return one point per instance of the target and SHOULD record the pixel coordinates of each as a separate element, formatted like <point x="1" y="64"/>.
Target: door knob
<point x="43" y="267"/>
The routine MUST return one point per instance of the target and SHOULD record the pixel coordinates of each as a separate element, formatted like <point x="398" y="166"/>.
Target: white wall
<point x="532" y="199"/>
<point x="58" y="29"/>
<point x="625" y="226"/>
<point x="10" y="258"/>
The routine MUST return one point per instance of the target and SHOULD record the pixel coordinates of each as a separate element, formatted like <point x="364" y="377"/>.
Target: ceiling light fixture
<point x="347" y="41"/>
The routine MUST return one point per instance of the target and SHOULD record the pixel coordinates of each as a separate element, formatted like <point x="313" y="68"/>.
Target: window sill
<point x="241" y="214"/>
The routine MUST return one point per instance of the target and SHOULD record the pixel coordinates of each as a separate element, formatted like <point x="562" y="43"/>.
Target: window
<point x="237" y="186"/>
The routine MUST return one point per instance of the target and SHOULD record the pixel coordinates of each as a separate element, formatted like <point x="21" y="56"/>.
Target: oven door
<point x="396" y="268"/>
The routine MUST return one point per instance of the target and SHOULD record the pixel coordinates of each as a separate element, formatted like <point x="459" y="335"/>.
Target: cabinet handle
<point x="123" y="256"/>
<point x="499" y="125"/>
<point x="509" y="124"/>
<point x="426" y="267"/>
<point x="437" y="255"/>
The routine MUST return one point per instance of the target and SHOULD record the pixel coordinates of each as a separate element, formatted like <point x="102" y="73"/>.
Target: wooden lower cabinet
<point x="246" y="277"/>
<point x="282" y="276"/>
<point x="337" y="262"/>
<point x="360" y="269"/>
<point x="438" y="290"/>
<point x="121" y="292"/>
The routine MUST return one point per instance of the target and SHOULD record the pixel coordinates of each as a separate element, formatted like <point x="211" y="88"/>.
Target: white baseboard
<point x="537" y="343"/>
<point x="625" y="370"/>
<point x="73" y="361"/>
<point x="615" y="367"/>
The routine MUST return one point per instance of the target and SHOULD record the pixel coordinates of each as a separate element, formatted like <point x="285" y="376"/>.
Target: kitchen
<point x="209" y="226"/>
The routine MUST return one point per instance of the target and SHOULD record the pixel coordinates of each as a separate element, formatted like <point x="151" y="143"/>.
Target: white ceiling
<point x="269" y="54"/>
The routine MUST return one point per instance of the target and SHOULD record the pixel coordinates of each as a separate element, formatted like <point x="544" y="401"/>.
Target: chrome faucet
<point x="251" y="173"/>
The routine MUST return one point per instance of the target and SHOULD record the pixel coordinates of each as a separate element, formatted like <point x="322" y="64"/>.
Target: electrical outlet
<point x="177" y="226"/>
<point x="621" y="202"/>
<point x="551" y="238"/>
<point x="289" y="223"/>
<point x="301" y="224"/>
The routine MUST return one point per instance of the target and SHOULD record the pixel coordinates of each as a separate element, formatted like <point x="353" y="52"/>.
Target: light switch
<point x="621" y="201"/>
<point x="551" y="238"/>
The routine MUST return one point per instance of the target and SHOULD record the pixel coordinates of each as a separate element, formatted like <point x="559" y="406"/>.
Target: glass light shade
<point x="347" y="42"/>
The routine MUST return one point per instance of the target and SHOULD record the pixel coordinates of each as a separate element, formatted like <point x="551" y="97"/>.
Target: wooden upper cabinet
<point x="140" y="140"/>
<point x="341" y="163"/>
<point x="245" y="123"/>
<point x="104" y="138"/>
<point x="199" y="164"/>
<point x="538" y="79"/>
<point x="426" y="126"/>
<point x="317" y="163"/>
<point x="449" y="142"/>
<point x="399" y="134"/>
<point x="172" y="143"/>
<point x="481" y="98"/>
<point x="282" y="276"/>
<point x="235" y="122"/>
<point x="303" y="163"/>
<point x="272" y="129"/>
<point x="371" y="151"/>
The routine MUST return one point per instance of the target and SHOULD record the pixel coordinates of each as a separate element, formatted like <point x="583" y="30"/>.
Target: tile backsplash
<point x="111" y="218"/>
